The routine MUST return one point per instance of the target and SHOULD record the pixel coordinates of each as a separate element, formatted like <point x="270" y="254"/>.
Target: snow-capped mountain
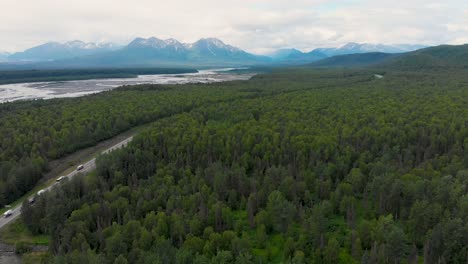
<point x="55" y="51"/>
<point x="143" y="52"/>
<point x="203" y="48"/>
<point x="78" y="44"/>
<point x="215" y="50"/>
<point x="212" y="44"/>
<point x="203" y="51"/>
<point x="152" y="42"/>
<point x="143" y="49"/>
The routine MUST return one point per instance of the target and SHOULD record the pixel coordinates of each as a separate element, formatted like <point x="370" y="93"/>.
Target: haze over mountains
<point x="441" y="57"/>
<point x="157" y="52"/>
<point x="56" y="51"/>
<point x="352" y="48"/>
<point x="4" y="56"/>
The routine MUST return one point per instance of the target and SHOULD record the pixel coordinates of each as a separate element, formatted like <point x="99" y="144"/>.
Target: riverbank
<point x="76" y="88"/>
<point x="18" y="245"/>
<point x="31" y="76"/>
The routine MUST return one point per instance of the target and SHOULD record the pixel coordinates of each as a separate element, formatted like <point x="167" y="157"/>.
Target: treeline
<point x="371" y="171"/>
<point x="21" y="76"/>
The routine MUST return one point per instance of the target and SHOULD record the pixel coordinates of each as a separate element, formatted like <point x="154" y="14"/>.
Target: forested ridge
<point x="297" y="166"/>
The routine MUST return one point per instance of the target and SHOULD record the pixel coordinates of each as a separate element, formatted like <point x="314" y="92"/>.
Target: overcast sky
<point x="257" y="26"/>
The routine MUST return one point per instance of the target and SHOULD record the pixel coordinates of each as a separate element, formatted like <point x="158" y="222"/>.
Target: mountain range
<point x="294" y="56"/>
<point x="153" y="51"/>
<point x="55" y="51"/>
<point x="354" y="48"/>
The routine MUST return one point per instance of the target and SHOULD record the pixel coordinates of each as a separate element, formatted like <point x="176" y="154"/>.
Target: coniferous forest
<point x="293" y="166"/>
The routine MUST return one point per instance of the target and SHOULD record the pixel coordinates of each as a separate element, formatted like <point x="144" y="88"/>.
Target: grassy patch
<point x="17" y="232"/>
<point x="35" y="257"/>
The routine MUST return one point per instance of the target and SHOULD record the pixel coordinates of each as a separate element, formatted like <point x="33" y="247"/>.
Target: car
<point x="80" y="167"/>
<point x="32" y="200"/>
<point x="41" y="192"/>
<point x="60" y="178"/>
<point x="8" y="213"/>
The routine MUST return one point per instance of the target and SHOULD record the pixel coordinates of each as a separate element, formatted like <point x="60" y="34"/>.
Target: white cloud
<point x="254" y="25"/>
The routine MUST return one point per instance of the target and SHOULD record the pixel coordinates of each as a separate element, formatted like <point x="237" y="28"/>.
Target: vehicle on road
<point x="8" y="213"/>
<point x="80" y="167"/>
<point x="32" y="200"/>
<point x="41" y="192"/>
<point x="60" y="178"/>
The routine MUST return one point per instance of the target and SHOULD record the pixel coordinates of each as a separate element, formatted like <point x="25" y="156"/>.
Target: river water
<point x="48" y="90"/>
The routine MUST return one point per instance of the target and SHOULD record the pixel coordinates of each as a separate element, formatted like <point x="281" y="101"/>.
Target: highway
<point x="87" y="167"/>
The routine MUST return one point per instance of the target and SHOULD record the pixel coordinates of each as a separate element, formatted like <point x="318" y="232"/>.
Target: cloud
<point x="255" y="25"/>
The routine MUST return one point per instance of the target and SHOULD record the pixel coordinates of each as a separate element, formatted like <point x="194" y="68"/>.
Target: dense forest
<point x="298" y="166"/>
<point x="34" y="133"/>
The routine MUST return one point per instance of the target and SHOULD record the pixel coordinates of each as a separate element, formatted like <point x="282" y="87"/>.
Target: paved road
<point x="87" y="167"/>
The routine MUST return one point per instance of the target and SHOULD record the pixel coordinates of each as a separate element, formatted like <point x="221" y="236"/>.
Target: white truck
<point x="7" y="213"/>
<point x="59" y="179"/>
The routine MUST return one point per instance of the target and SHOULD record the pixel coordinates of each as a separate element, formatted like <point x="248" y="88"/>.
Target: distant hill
<point x="444" y="56"/>
<point x="354" y="48"/>
<point x="4" y="55"/>
<point x="283" y="54"/>
<point x="354" y="60"/>
<point x="297" y="57"/>
<point x="56" y="51"/>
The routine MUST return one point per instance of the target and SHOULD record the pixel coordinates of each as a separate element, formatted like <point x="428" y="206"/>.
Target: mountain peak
<point x="172" y="41"/>
<point x="75" y="43"/>
<point x="282" y="54"/>
<point x="351" y="45"/>
<point x="211" y="41"/>
<point x="155" y="43"/>
<point x="212" y="44"/>
<point x="214" y="41"/>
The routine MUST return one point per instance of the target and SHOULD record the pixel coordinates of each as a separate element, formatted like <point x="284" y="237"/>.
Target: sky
<point x="258" y="26"/>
